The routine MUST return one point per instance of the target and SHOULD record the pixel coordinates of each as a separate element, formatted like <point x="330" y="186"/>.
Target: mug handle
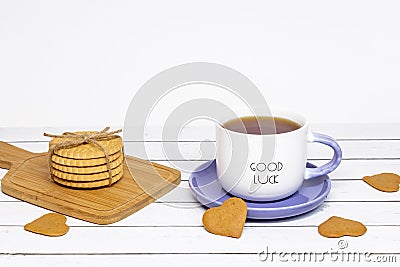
<point x="331" y="165"/>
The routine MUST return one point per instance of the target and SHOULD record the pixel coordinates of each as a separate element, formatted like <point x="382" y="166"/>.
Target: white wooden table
<point x="170" y="232"/>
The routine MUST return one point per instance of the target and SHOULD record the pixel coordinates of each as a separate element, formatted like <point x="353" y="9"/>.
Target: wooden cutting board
<point x="29" y="179"/>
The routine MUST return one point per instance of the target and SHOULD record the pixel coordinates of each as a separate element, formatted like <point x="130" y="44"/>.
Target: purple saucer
<point x="206" y="189"/>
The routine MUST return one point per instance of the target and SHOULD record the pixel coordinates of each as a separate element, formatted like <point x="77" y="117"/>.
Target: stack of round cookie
<point x="85" y="165"/>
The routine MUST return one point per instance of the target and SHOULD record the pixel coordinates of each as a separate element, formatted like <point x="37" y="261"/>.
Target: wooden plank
<point x="383" y="149"/>
<point x="337" y="130"/>
<point x="352" y="150"/>
<point x="192" y="240"/>
<point x="357" y="169"/>
<point x="107" y="260"/>
<point x="205" y="259"/>
<point x="342" y="190"/>
<point x="190" y="214"/>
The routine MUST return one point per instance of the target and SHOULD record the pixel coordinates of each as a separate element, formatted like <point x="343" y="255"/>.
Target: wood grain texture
<point x="190" y="214"/>
<point x="185" y="240"/>
<point x="170" y="230"/>
<point x="29" y="180"/>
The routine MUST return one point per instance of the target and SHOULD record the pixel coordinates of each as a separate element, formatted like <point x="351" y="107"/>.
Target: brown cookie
<point x="84" y="162"/>
<point x="227" y="219"/>
<point x="88" y="150"/>
<point x="87" y="169"/>
<point x="51" y="224"/>
<point x="385" y="182"/>
<point x="86" y="177"/>
<point x="88" y="184"/>
<point x="338" y="227"/>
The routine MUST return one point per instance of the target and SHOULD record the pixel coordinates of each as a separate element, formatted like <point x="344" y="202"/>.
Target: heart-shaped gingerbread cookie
<point x="386" y="182"/>
<point x="227" y="219"/>
<point x="51" y="224"/>
<point x="337" y="227"/>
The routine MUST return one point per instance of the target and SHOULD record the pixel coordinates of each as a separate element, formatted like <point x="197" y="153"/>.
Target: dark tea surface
<point x="261" y="125"/>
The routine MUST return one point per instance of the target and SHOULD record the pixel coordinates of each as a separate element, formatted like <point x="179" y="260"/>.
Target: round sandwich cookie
<point x="84" y="162"/>
<point x="87" y="150"/>
<point x="85" y="177"/>
<point x="88" y="185"/>
<point x="87" y="169"/>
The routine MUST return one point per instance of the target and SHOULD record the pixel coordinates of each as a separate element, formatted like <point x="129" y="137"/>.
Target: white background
<point x="65" y="63"/>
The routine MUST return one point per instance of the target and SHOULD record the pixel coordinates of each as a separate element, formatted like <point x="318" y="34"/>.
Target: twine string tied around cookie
<point x="75" y="139"/>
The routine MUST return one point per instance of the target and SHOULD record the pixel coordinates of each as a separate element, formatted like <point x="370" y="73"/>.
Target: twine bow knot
<point x="76" y="139"/>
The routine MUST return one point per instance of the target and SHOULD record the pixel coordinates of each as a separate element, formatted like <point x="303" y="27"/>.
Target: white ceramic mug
<point x="271" y="166"/>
